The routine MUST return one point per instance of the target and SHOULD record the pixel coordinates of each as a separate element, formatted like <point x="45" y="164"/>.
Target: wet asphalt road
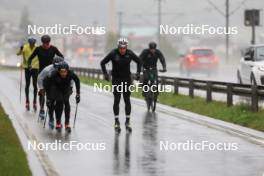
<point x="137" y="153"/>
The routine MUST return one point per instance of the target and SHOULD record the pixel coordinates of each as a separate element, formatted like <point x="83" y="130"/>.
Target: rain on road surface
<point x="137" y="153"/>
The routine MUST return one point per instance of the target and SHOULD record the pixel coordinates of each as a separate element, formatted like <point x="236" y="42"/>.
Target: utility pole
<point x="227" y="15"/>
<point x="227" y="30"/>
<point x="159" y="21"/>
<point x="120" y="23"/>
<point x="95" y="42"/>
<point x="112" y="16"/>
<point x="253" y="21"/>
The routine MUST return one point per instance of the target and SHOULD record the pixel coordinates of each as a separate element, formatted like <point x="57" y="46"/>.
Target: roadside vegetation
<point x="237" y="114"/>
<point x="12" y="156"/>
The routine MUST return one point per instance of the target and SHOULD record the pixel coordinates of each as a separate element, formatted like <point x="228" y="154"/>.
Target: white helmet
<point x="122" y="43"/>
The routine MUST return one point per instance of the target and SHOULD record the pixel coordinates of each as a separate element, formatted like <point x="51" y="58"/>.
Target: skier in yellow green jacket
<point x="26" y="50"/>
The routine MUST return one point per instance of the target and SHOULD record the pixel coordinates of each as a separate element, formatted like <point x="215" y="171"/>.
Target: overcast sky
<point x="136" y="12"/>
<point x="86" y="11"/>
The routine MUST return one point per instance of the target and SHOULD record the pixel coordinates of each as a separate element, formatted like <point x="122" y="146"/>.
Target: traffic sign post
<point x="252" y="18"/>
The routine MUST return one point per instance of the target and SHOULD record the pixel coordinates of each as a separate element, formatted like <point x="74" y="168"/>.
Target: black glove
<point x="106" y="77"/>
<point x="137" y="76"/>
<point x="77" y="98"/>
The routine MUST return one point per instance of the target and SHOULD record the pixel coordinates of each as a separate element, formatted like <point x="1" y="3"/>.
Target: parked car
<point x="201" y="60"/>
<point x="251" y="67"/>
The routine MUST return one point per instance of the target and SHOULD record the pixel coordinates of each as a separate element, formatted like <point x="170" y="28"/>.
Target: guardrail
<point x="255" y="93"/>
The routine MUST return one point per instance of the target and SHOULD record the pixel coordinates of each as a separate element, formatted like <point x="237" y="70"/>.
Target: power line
<point x="159" y="20"/>
<point x="238" y="7"/>
<point x="227" y="15"/>
<point x="120" y="23"/>
<point x="215" y="7"/>
<point x="146" y="21"/>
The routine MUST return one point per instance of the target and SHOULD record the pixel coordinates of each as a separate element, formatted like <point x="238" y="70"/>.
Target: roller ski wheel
<point x="58" y="128"/>
<point x="68" y="129"/>
<point x="117" y="127"/>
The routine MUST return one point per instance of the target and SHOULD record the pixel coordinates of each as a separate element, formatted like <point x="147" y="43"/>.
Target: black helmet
<point x="152" y="45"/>
<point x="63" y="65"/>
<point x="45" y="39"/>
<point x="57" y="60"/>
<point x="31" y="40"/>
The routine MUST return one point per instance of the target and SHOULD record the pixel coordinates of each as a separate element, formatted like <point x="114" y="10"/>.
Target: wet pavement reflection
<point x="118" y="168"/>
<point x="137" y="153"/>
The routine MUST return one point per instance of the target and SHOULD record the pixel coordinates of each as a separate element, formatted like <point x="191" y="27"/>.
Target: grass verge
<point x="12" y="156"/>
<point x="237" y="114"/>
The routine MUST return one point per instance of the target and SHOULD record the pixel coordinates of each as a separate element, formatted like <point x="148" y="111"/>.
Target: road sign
<point x="252" y="17"/>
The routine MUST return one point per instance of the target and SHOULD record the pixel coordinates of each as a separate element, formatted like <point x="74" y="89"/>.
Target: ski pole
<point x="42" y="102"/>
<point x="20" y="84"/>
<point x="44" y="124"/>
<point x="75" y="115"/>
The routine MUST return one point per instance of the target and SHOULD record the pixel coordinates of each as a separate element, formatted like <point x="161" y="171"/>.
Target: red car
<point x="201" y="60"/>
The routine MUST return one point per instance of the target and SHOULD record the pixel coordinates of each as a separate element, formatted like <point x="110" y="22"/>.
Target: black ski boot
<point x="42" y="114"/>
<point x="35" y="106"/>
<point x="67" y="128"/>
<point x="27" y="106"/>
<point x="51" y="124"/>
<point x="58" y="128"/>
<point x="117" y="126"/>
<point x="128" y="126"/>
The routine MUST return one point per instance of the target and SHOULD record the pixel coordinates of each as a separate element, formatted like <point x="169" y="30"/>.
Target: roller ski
<point x="58" y="128"/>
<point x="128" y="127"/>
<point x="117" y="126"/>
<point x="67" y="128"/>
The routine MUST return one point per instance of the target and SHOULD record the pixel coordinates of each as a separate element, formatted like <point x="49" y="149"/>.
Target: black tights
<point x="28" y="74"/>
<point x="41" y="101"/>
<point x="51" y="109"/>
<point x="117" y="97"/>
<point x="59" y="101"/>
<point x="59" y="109"/>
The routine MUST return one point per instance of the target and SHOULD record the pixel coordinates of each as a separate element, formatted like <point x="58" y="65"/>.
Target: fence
<point x="230" y="89"/>
<point x="254" y="92"/>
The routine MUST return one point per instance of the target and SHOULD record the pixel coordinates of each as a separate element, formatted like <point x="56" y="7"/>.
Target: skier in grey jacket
<point x="43" y="75"/>
<point x="46" y="72"/>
